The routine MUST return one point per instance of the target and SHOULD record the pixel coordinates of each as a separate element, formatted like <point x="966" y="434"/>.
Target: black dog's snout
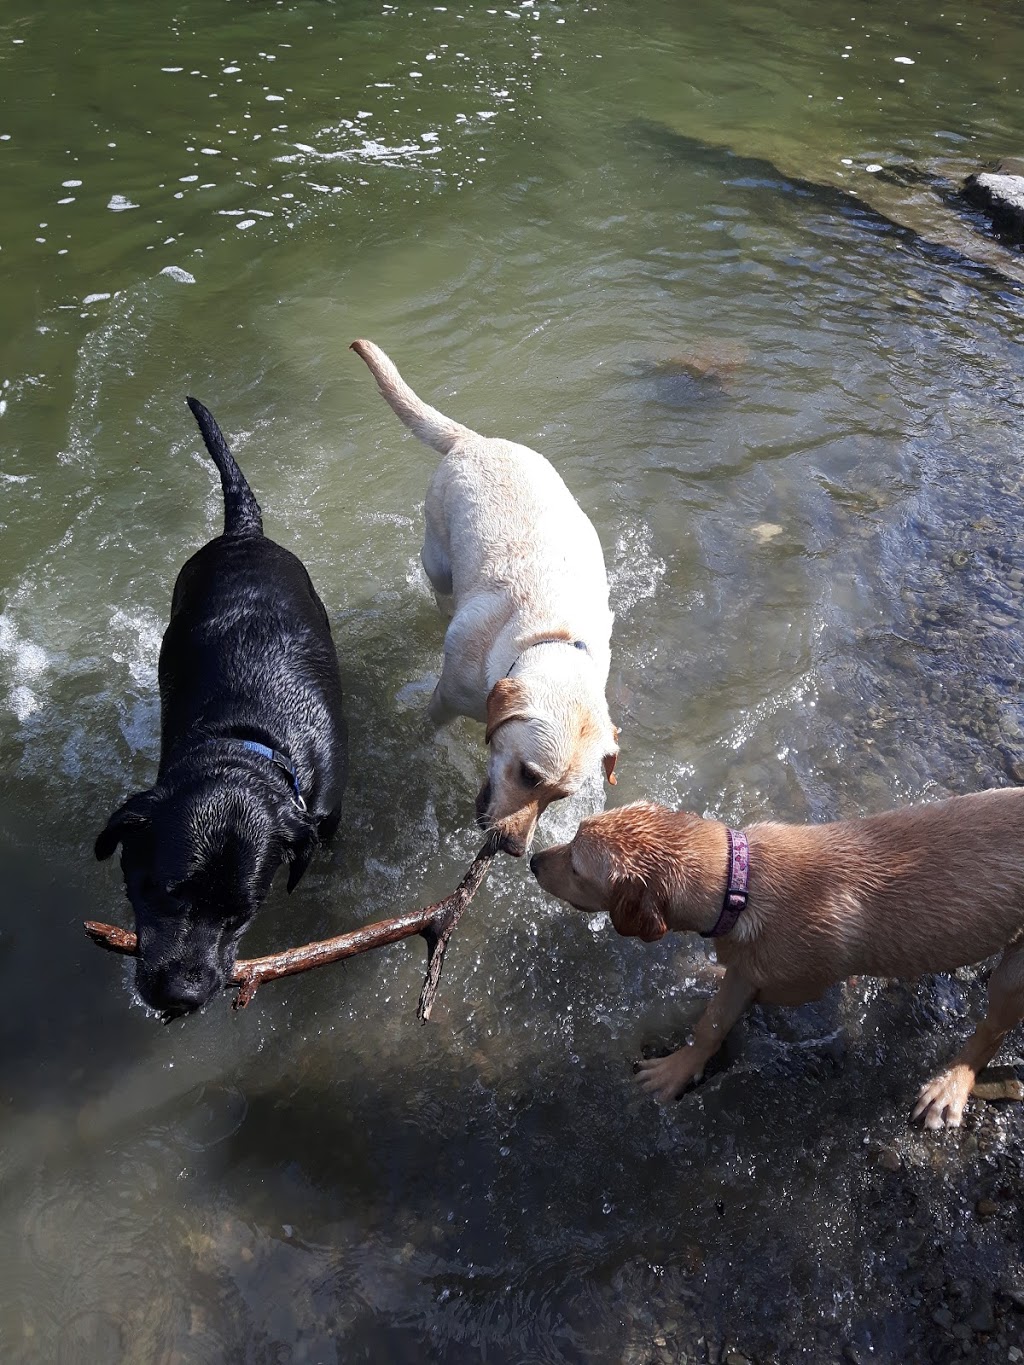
<point x="176" y="994"/>
<point x="533" y="864"/>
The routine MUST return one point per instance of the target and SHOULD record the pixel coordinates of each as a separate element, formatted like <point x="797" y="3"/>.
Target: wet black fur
<point x="247" y="654"/>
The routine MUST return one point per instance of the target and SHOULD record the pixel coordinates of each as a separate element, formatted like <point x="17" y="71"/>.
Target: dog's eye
<point x="528" y="777"/>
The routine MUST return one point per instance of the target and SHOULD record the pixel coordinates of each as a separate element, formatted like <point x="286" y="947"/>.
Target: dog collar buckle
<point x="281" y="760"/>
<point x="737" y="889"/>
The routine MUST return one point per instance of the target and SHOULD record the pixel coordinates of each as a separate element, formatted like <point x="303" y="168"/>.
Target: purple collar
<point x="739" y="880"/>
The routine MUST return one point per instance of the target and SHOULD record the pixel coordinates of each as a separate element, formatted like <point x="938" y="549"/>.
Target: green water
<point x="622" y="234"/>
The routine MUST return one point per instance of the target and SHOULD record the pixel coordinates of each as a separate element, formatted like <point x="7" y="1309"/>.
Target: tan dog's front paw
<point x="667" y="1077"/>
<point x="941" y="1102"/>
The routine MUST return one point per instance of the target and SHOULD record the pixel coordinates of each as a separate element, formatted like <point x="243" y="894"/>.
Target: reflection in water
<point x="794" y="426"/>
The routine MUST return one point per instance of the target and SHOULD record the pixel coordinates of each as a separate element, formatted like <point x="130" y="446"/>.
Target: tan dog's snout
<point x="635" y="909"/>
<point x="553" y="869"/>
<point x="516" y="830"/>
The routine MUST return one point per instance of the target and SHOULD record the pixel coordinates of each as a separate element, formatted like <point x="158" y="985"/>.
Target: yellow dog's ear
<point x="507" y="700"/>
<point x="634" y="910"/>
<point x="609" y="759"/>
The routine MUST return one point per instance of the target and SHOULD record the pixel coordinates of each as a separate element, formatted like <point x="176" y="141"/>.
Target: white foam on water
<point x="561" y="820"/>
<point x="23" y="702"/>
<point x="108" y="354"/>
<point x="28" y="660"/>
<point x="136" y="643"/>
<point x="635" y="570"/>
<point x="26" y="665"/>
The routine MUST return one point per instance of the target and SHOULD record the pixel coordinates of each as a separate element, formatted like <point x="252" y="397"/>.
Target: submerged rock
<point x="700" y="371"/>
<point x="998" y="1083"/>
<point x="921" y="198"/>
<point x="1000" y="195"/>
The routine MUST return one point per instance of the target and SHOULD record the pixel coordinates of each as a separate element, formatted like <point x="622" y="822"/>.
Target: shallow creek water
<point x="797" y="429"/>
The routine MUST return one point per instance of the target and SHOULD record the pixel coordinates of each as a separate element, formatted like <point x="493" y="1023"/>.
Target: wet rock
<point x="983" y="1318"/>
<point x="1000" y="195"/>
<point x="943" y="1317"/>
<point x="1000" y="1082"/>
<point x="707" y="359"/>
<point x="765" y="531"/>
<point x="1013" y="1287"/>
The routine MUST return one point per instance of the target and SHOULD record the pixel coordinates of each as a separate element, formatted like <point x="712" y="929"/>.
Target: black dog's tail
<point x="242" y="516"/>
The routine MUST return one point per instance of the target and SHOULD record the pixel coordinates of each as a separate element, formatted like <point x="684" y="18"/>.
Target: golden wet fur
<point x="927" y="888"/>
<point x="517" y="566"/>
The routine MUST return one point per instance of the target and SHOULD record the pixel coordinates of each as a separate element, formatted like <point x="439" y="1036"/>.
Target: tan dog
<point x="517" y="566"/>
<point x="925" y="889"/>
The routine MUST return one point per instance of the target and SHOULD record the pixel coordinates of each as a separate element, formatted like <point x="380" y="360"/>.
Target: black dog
<point x="252" y="752"/>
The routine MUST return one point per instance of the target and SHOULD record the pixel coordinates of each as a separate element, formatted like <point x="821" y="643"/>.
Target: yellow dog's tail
<point x="429" y="425"/>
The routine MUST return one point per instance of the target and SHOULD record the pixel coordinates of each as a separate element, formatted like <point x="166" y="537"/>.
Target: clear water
<point x="621" y="234"/>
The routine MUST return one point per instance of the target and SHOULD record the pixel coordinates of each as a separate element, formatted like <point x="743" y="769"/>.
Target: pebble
<point x="986" y="1207"/>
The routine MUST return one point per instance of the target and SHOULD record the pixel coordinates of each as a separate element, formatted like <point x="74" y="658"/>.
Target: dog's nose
<point x="173" y="994"/>
<point x="513" y="844"/>
<point x="533" y="864"/>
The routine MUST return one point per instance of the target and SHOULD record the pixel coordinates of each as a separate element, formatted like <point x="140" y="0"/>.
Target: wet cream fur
<point x="513" y="561"/>
<point x="927" y="888"/>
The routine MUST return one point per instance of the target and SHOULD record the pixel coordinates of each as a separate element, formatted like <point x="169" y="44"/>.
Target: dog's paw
<point x="665" y="1078"/>
<point x="941" y="1102"/>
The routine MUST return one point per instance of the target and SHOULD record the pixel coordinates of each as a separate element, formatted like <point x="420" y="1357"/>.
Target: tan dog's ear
<point x="609" y="759"/>
<point x="507" y="700"/>
<point x="635" y="912"/>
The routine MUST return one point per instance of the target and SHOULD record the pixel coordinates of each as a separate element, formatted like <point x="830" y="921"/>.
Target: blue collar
<point x="276" y="757"/>
<point x="552" y="640"/>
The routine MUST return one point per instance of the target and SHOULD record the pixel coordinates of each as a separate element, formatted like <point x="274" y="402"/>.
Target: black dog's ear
<point x="300" y="844"/>
<point x="301" y="860"/>
<point x="134" y="814"/>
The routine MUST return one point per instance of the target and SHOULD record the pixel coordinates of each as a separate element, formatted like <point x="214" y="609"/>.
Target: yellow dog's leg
<point x="667" y="1077"/>
<point x="941" y="1102"/>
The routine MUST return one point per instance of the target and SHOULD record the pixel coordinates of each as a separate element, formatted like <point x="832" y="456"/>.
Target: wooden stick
<point x="435" y="922"/>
